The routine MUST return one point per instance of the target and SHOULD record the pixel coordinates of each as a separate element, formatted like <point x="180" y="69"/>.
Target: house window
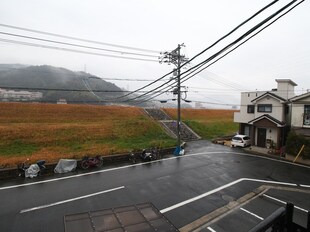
<point x="307" y="115"/>
<point x="251" y="109"/>
<point x="264" y="108"/>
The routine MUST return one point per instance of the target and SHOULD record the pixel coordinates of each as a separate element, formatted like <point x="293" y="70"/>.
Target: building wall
<point x="297" y="115"/>
<point x="277" y="108"/>
<point x="246" y="99"/>
<point x="286" y="88"/>
<point x="297" y="112"/>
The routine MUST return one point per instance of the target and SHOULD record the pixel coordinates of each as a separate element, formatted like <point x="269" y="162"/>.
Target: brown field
<point x="50" y="132"/>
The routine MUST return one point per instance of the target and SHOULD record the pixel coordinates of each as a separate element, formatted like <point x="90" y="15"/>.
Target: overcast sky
<point x="280" y="51"/>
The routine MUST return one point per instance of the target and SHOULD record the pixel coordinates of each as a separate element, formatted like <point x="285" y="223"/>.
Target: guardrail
<point x="281" y="221"/>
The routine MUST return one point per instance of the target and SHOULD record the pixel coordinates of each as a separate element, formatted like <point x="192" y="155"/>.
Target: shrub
<point x="294" y="143"/>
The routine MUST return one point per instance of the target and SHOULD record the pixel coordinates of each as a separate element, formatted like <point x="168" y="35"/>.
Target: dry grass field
<point x="51" y="132"/>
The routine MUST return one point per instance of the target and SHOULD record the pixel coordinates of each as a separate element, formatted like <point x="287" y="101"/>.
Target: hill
<point x="56" y="83"/>
<point x="6" y="67"/>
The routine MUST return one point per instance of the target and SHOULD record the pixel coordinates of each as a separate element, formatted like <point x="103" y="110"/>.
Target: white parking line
<point x="70" y="200"/>
<point x="199" y="196"/>
<point x="283" y="202"/>
<point x="219" y="189"/>
<point x="253" y="214"/>
<point x="209" y="228"/>
<point x="267" y="158"/>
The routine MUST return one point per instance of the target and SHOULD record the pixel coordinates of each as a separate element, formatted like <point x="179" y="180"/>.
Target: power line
<point x="195" y="66"/>
<point x="235" y="42"/>
<point x="223" y="81"/>
<point x="260" y="24"/>
<point x="74" y="74"/>
<point x="77" y="45"/>
<point x="127" y="79"/>
<point x="232" y="31"/>
<point x="212" y="89"/>
<point x="106" y="91"/>
<point x="216" y="42"/>
<point x="239" y="39"/>
<point x="134" y="103"/>
<point x="79" y="39"/>
<point x="72" y="50"/>
<point x="66" y="89"/>
<point x="229" y="90"/>
<point x="131" y="58"/>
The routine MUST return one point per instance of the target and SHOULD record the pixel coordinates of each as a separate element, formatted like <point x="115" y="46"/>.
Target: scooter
<point x="144" y="155"/>
<point x="32" y="170"/>
<point x="148" y="156"/>
<point x="91" y="162"/>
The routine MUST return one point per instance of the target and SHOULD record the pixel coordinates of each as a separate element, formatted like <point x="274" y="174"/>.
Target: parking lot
<point x="188" y="190"/>
<point x="245" y="216"/>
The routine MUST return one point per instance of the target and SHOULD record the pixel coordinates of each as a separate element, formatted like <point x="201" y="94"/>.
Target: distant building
<point x="62" y="101"/>
<point x="13" y="95"/>
<point x="199" y="105"/>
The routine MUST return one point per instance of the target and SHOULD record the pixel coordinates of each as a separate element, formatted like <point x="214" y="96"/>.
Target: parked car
<point x="240" y="141"/>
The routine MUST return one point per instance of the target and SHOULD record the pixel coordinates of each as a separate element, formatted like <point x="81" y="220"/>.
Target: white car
<point x="240" y="141"/>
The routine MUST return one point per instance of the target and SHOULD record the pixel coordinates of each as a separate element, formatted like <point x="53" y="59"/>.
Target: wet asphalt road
<point x="214" y="174"/>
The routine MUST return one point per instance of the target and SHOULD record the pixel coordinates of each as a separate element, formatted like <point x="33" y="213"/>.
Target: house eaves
<point x="268" y="117"/>
<point x="299" y="97"/>
<point x="269" y="94"/>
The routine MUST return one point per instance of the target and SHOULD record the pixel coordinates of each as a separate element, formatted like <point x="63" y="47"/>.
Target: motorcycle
<point x="149" y="156"/>
<point x="91" y="162"/>
<point x="32" y="170"/>
<point x="152" y="155"/>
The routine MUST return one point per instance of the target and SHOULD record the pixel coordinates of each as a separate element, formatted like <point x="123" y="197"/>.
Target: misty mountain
<point x="57" y="83"/>
<point x="6" y="67"/>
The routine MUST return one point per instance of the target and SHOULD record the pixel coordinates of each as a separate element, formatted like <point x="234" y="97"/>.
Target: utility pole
<point x="179" y="98"/>
<point x="177" y="59"/>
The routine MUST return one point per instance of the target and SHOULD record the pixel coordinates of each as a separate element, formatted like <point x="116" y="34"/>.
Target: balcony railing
<point x="281" y="221"/>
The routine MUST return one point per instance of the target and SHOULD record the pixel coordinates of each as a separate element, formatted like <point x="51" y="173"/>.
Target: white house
<point x="300" y="113"/>
<point x="265" y="115"/>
